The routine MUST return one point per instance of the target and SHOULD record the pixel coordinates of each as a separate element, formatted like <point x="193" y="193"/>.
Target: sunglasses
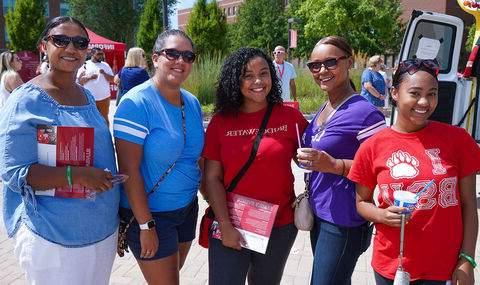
<point x="329" y="64"/>
<point x="62" y="41"/>
<point x="173" y="54"/>
<point x="278" y="52"/>
<point x="411" y="66"/>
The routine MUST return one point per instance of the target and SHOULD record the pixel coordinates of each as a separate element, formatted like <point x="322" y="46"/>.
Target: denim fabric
<point x="68" y="222"/>
<point x="172" y="227"/>
<point x="230" y="266"/>
<point x="336" y="250"/>
<point x="380" y="280"/>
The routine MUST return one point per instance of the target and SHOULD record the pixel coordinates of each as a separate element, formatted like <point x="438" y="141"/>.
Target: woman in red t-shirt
<point x="441" y="232"/>
<point x="247" y="86"/>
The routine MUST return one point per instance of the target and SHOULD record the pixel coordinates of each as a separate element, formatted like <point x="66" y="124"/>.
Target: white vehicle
<point x="438" y="36"/>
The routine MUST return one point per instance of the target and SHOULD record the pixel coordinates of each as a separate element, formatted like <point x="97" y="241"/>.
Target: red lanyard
<point x="282" y="71"/>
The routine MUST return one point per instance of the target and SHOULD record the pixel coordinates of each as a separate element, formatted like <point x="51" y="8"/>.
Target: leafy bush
<point x="203" y="81"/>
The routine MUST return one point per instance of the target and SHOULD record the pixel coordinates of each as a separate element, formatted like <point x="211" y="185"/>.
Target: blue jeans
<point x="230" y="266"/>
<point x="336" y="250"/>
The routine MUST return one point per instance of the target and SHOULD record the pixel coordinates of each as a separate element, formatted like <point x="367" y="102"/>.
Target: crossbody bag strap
<point x="253" y="153"/>
<point x="170" y="168"/>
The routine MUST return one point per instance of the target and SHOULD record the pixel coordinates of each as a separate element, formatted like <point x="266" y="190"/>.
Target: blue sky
<point x="180" y="5"/>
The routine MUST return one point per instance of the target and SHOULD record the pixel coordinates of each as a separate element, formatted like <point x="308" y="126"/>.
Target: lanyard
<point x="281" y="72"/>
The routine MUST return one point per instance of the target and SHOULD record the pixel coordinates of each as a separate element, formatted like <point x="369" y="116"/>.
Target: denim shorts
<point x="173" y="227"/>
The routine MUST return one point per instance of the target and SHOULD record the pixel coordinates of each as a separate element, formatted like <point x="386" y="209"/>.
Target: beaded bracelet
<point x="69" y="176"/>
<point x="468" y="258"/>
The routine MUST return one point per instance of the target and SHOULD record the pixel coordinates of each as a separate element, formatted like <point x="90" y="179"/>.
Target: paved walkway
<point x="195" y="271"/>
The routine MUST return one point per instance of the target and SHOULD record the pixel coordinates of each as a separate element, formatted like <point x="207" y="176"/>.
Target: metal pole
<point x="165" y="15"/>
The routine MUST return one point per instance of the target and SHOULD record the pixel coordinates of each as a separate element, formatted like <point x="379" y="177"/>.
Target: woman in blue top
<point x="133" y="72"/>
<point x="373" y="83"/>
<point x="58" y="240"/>
<point x="159" y="138"/>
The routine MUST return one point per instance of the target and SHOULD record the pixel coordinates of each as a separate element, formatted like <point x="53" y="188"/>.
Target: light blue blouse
<point x="65" y="221"/>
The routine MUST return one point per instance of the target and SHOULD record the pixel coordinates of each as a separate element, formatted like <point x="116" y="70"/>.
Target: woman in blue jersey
<point x="159" y="138"/>
<point x="58" y="240"/>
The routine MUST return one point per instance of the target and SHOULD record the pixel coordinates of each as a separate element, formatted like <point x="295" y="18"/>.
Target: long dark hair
<point x="229" y="98"/>
<point x="58" y="21"/>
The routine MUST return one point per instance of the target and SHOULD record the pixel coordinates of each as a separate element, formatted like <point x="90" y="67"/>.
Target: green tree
<point x="113" y="19"/>
<point x="151" y="24"/>
<point x="25" y="22"/>
<point x="260" y="23"/>
<point x="208" y="28"/>
<point x="370" y="26"/>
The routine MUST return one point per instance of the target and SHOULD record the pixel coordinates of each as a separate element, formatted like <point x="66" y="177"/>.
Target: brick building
<point x="230" y="9"/>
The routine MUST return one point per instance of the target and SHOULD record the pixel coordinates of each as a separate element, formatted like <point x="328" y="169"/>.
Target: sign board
<point x="293" y="38"/>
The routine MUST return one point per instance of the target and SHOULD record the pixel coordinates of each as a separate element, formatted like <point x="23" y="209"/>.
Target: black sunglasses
<point x="62" y="41"/>
<point x="329" y="64"/>
<point x="413" y="65"/>
<point x="173" y="54"/>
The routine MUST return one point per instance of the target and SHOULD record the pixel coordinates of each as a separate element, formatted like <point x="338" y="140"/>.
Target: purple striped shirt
<point x="332" y="196"/>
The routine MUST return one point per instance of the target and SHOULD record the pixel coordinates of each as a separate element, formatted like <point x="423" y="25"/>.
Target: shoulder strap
<point x="170" y="168"/>
<point x="253" y="153"/>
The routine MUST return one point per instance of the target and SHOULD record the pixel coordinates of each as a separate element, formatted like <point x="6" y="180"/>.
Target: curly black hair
<point x="229" y="98"/>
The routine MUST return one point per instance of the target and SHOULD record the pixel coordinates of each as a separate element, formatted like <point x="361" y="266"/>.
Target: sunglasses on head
<point x="173" y="54"/>
<point x="411" y="66"/>
<point x="329" y="64"/>
<point x="62" y="41"/>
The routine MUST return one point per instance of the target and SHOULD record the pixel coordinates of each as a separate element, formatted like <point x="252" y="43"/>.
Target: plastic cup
<point x="405" y="199"/>
<point x="301" y="151"/>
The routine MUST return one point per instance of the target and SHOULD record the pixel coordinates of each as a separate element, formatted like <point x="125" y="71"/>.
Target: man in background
<point x="286" y="74"/>
<point x="96" y="76"/>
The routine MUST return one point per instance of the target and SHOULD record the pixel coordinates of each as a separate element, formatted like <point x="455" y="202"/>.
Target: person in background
<point x="58" y="240"/>
<point x="96" y="75"/>
<point x="133" y="72"/>
<point x="286" y="74"/>
<point x="10" y="64"/>
<point x="441" y="233"/>
<point x="373" y="83"/>
<point x="159" y="137"/>
<point x="247" y="86"/>
<point x="388" y="83"/>
<point x="330" y="142"/>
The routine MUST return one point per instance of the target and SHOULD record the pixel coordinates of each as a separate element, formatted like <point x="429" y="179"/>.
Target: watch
<point x="148" y="225"/>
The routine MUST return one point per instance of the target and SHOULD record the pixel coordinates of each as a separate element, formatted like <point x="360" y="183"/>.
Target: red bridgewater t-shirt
<point x="399" y="161"/>
<point x="229" y="140"/>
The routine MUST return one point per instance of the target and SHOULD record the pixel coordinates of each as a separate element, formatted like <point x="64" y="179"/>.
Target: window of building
<point x="229" y="11"/>
<point x="234" y="10"/>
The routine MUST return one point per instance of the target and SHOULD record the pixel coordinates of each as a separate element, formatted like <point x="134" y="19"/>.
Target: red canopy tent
<point x="114" y="54"/>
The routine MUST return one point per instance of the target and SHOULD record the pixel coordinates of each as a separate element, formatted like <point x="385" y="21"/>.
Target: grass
<point x="203" y="79"/>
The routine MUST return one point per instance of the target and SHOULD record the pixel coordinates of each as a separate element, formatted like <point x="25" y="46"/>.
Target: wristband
<point x="343" y="167"/>
<point x="69" y="176"/>
<point x="468" y="258"/>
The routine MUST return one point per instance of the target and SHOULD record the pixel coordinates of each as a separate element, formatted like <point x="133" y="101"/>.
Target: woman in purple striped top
<point x="343" y="122"/>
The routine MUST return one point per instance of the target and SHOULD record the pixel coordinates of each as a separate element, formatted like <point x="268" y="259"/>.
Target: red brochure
<point x="61" y="146"/>
<point x="253" y="218"/>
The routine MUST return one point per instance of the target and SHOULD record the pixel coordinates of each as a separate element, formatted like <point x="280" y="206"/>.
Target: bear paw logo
<point x="402" y="165"/>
